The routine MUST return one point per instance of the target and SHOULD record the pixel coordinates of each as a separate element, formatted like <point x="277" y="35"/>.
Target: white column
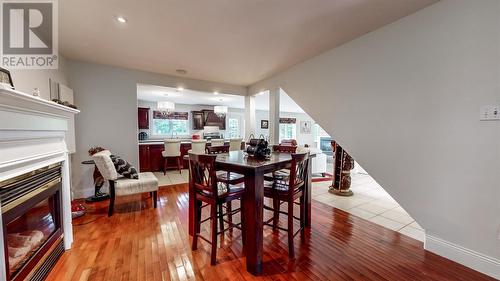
<point x="249" y="116"/>
<point x="274" y="115"/>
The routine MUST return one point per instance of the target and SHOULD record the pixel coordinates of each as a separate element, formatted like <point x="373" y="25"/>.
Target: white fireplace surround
<point x="35" y="133"/>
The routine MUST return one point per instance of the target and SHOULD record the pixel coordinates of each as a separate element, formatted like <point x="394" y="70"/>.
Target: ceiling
<point x="232" y="41"/>
<point x="154" y="93"/>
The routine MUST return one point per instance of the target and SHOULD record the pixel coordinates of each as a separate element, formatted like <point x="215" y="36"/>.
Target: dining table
<point x="254" y="170"/>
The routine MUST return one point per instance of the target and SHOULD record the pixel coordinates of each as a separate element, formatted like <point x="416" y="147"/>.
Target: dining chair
<point x="235" y="144"/>
<point x="207" y="190"/>
<point x="288" y="190"/>
<point x="283" y="173"/>
<point x="217" y="142"/>
<point x="227" y="178"/>
<point x="121" y="186"/>
<point x="172" y="151"/>
<point x="198" y="146"/>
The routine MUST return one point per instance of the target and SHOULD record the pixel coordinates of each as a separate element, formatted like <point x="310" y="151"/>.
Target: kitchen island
<point x="151" y="159"/>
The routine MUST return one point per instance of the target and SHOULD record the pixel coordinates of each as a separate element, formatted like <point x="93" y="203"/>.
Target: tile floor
<point x="370" y="201"/>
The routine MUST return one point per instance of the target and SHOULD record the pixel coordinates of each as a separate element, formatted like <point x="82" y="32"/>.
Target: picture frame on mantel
<point x="6" y="78"/>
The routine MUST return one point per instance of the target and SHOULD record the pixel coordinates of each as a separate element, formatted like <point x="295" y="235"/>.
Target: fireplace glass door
<point x="28" y="232"/>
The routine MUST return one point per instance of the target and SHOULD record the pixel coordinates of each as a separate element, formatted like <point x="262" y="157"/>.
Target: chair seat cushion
<point x="278" y="175"/>
<point x="147" y="182"/>
<point x="164" y="154"/>
<point x="231" y="178"/>
<point x="223" y="190"/>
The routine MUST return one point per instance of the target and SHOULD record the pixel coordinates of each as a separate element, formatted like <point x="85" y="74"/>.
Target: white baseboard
<point x="477" y="261"/>
<point x="83" y="193"/>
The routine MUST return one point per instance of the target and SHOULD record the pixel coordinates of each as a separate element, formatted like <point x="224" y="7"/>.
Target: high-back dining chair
<point x="172" y="151"/>
<point x="207" y="190"/>
<point x="121" y="186"/>
<point x="289" y="190"/>
<point x="217" y="142"/>
<point x="235" y="144"/>
<point x="198" y="146"/>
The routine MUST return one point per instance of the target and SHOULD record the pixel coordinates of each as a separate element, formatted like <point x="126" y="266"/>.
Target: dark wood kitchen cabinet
<point x="144" y="161"/>
<point x="143" y="117"/>
<point x="198" y="120"/>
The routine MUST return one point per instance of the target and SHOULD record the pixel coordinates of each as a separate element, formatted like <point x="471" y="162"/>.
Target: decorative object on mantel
<point x="258" y="148"/>
<point x="343" y="164"/>
<point x="98" y="179"/>
<point x="36" y="92"/>
<point x="65" y="103"/>
<point x="6" y="79"/>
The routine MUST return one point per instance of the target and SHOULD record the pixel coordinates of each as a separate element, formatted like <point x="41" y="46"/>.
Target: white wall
<point x="235" y="113"/>
<point x="404" y="101"/>
<point x="26" y="80"/>
<point x="107" y="98"/>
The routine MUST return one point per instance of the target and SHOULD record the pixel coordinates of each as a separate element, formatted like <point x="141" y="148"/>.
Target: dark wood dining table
<point x="254" y="170"/>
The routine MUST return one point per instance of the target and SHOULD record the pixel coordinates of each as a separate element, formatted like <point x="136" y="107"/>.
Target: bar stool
<point x="207" y="190"/>
<point x="172" y="151"/>
<point x="198" y="146"/>
<point x="289" y="190"/>
<point x="235" y="144"/>
<point x="227" y="178"/>
<point x="283" y="173"/>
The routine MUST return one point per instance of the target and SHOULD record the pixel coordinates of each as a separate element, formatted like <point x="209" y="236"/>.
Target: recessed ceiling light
<point x="121" y="19"/>
<point x="180" y="89"/>
<point x="216" y="93"/>
<point x="181" y="71"/>
<point x="260" y="93"/>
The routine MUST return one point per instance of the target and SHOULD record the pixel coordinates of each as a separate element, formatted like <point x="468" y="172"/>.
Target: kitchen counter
<point x="183" y="141"/>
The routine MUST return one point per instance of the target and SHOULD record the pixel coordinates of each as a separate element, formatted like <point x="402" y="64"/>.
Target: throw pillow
<point x="124" y="168"/>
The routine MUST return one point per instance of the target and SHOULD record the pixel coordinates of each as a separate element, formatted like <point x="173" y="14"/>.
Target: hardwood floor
<point x="142" y="243"/>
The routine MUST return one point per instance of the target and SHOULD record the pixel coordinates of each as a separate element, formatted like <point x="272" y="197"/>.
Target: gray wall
<point x="404" y="101"/>
<point x="26" y="80"/>
<point x="107" y="98"/>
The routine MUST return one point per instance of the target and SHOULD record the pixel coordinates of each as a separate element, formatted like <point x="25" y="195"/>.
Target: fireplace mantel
<point x="35" y="133"/>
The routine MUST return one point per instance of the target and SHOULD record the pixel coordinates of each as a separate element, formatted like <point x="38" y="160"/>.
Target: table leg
<point x="253" y="208"/>
<point x="308" y="195"/>
<point x="191" y="209"/>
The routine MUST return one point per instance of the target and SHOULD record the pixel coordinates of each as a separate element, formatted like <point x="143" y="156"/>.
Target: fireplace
<point x="31" y="215"/>
<point x="36" y="142"/>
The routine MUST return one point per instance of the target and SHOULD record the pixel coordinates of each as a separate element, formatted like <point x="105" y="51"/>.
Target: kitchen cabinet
<point x="144" y="161"/>
<point x="143" y="118"/>
<point x="198" y="120"/>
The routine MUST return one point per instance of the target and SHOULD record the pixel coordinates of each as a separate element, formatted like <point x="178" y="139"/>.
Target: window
<point x="170" y="127"/>
<point x="287" y="131"/>
<point x="233" y="128"/>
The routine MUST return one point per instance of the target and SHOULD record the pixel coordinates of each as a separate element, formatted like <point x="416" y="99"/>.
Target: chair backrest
<point x="217" y="142"/>
<point x="172" y="148"/>
<point x="198" y="146"/>
<point x="298" y="171"/>
<point x="235" y="144"/>
<point x="284" y="148"/>
<point x="105" y="165"/>
<point x="217" y="149"/>
<point x="202" y="174"/>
